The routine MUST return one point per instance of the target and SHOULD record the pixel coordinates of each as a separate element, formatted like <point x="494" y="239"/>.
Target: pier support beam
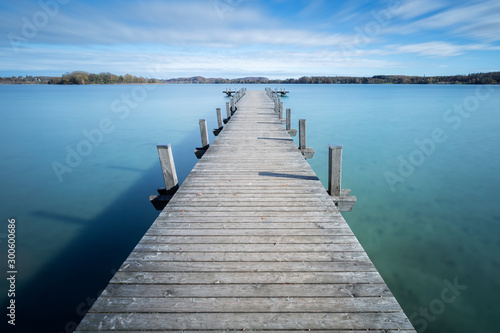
<point x="291" y="132"/>
<point x="342" y="198"/>
<point x="306" y="151"/>
<point x="169" y="176"/>
<point x="204" y="139"/>
<point x="216" y="131"/>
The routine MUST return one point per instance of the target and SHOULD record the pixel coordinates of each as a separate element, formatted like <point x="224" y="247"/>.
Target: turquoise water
<point x="431" y="223"/>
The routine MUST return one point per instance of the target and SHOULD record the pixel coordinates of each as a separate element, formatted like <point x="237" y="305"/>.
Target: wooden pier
<point x="251" y="241"/>
<point x="229" y="92"/>
<point x="281" y="91"/>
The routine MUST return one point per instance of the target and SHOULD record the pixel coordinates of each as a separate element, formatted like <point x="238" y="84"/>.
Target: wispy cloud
<point x="438" y="49"/>
<point x="476" y="20"/>
<point x="412" y="9"/>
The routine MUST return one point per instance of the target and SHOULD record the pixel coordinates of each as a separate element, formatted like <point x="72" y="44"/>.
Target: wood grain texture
<point x="250" y="241"/>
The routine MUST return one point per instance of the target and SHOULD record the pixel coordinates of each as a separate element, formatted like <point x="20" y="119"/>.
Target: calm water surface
<point x="422" y="160"/>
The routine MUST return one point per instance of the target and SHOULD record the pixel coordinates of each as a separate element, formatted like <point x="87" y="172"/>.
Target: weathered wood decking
<point x="250" y="241"/>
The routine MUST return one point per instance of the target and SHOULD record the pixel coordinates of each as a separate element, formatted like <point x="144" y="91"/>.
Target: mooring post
<point x="204" y="133"/>
<point x="280" y="111"/>
<point x="168" y="167"/>
<point x="219" y="118"/>
<point x="288" y="119"/>
<point x="220" y="123"/>
<point x="233" y="107"/>
<point x="306" y="151"/>
<point x="341" y="197"/>
<point x="291" y="132"/>
<point x="302" y="134"/>
<point x="169" y="176"/>
<point x="204" y="139"/>
<point x="228" y="113"/>
<point x="334" y="169"/>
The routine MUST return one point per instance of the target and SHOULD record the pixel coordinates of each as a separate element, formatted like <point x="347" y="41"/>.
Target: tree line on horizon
<point x="80" y="77"/>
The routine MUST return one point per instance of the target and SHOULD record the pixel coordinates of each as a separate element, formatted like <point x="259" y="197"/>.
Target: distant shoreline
<point x="84" y="78"/>
<point x="250" y="83"/>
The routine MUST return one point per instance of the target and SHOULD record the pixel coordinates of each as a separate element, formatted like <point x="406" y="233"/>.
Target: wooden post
<point x="291" y="132"/>
<point x="228" y="113"/>
<point x="168" y="168"/>
<point x="220" y="123"/>
<point x="334" y="169"/>
<point x="280" y="111"/>
<point x="219" y="118"/>
<point x="288" y="119"/>
<point x="204" y="139"/>
<point x="204" y="133"/>
<point x="233" y="108"/>
<point x="302" y="134"/>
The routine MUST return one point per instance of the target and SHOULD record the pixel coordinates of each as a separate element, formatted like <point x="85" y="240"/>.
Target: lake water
<point x="79" y="163"/>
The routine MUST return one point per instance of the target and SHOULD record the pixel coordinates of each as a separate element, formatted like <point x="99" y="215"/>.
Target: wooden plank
<point x="245" y="304"/>
<point x="164" y="217"/>
<point x="245" y="277"/>
<point x="233" y="239"/>
<point x="161" y="231"/>
<point x="262" y="213"/>
<point x="267" y="331"/>
<point x="249" y="290"/>
<point x="216" y="224"/>
<point x="270" y="247"/>
<point x="252" y="256"/>
<point x="247" y="321"/>
<point x="229" y="266"/>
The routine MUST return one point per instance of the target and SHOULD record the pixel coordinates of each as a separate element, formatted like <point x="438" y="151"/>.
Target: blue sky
<point x="236" y="38"/>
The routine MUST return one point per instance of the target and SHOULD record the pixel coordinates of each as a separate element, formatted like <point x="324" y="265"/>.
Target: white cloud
<point x="415" y="8"/>
<point x="432" y="49"/>
<point x="477" y="20"/>
<point x="435" y="49"/>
